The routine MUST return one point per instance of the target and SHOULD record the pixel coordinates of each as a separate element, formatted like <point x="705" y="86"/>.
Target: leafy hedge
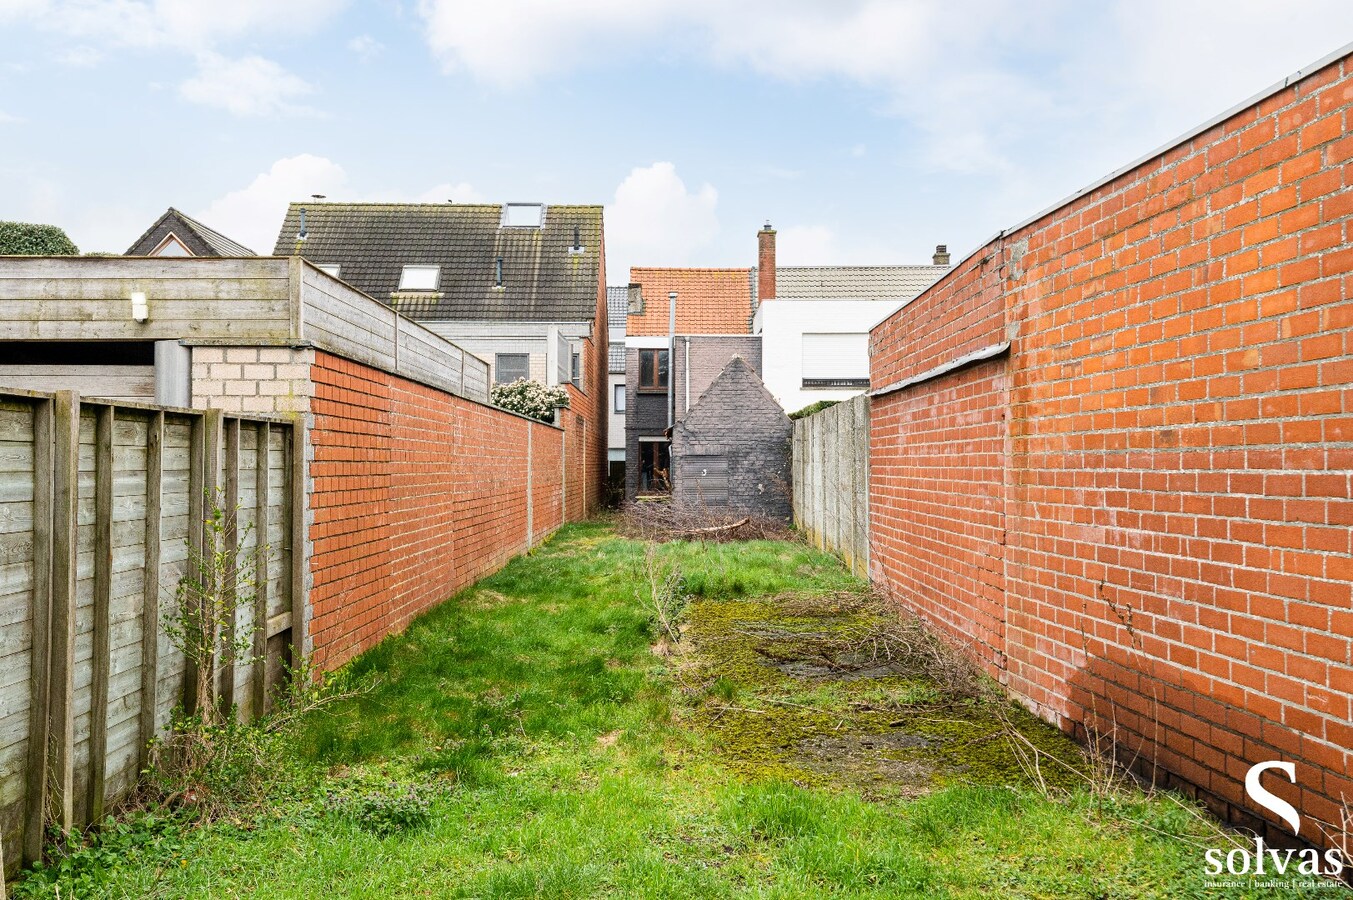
<point x="25" y="239"/>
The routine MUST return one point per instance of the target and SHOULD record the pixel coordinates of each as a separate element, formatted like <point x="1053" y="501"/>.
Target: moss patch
<point x="808" y="689"/>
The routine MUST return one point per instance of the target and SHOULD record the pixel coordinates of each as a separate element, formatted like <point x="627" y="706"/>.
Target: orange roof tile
<point x="709" y="301"/>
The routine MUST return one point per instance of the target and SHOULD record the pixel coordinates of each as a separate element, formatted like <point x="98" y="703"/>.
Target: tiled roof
<point x="617" y="304"/>
<point x="852" y="282"/>
<point x="198" y="238"/>
<point x="615" y="358"/>
<point x="709" y="301"/>
<point x="372" y="242"/>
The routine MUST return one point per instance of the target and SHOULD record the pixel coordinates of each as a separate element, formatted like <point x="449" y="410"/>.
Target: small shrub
<point x="666" y="598"/>
<point x="395" y="809"/>
<point x="530" y="398"/>
<point x="26" y="239"/>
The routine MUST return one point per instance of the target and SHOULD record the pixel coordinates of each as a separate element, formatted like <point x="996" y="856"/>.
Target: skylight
<point x="419" y="278"/>
<point x="523" y="215"/>
<point x="330" y="270"/>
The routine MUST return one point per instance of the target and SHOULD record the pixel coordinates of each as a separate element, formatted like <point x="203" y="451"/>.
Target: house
<point x="617" y="305"/>
<point x="731" y="449"/>
<point x="177" y="234"/>
<point x="814" y="321"/>
<point x="803" y="330"/>
<point x="682" y="328"/>
<point x="519" y="285"/>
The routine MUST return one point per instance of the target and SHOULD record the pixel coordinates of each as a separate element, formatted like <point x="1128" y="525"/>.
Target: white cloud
<point x="1038" y="97"/>
<point x="656" y="221"/>
<point x="253" y="214"/>
<point x="366" y="47"/>
<point x="251" y="86"/>
<point x="7" y="119"/>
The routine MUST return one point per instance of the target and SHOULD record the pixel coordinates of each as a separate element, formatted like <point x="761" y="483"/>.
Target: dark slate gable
<point x="198" y="238"/>
<point x="732" y="450"/>
<point x="372" y="242"/>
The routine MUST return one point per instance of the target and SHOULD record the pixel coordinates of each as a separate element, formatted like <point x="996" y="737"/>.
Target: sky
<point x="866" y="131"/>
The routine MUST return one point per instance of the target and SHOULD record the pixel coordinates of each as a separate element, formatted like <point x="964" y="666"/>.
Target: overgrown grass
<point x="524" y="740"/>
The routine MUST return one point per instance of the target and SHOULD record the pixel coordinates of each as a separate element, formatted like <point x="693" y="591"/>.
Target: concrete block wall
<point x="1134" y="502"/>
<point x="252" y="379"/>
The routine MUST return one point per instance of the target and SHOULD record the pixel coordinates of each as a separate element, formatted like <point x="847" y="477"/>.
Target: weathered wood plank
<point x="61" y="691"/>
<point x="104" y="452"/>
<point x="150" y="590"/>
<point x="262" y="512"/>
<point x="112" y="382"/>
<point x="35" y="788"/>
<point x="230" y="588"/>
<point x="296" y="539"/>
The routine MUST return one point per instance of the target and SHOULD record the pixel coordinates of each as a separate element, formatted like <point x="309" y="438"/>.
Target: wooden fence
<point x="100" y="503"/>
<point x="831" y="480"/>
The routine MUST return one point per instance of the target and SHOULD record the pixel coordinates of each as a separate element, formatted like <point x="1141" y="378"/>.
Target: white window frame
<point x="515" y="221"/>
<point x="330" y="269"/>
<point x="421" y="285"/>
<point x="618" y="399"/>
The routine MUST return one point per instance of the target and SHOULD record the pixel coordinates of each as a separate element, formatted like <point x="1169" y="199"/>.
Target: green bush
<point x="25" y="239"/>
<point x="811" y="408"/>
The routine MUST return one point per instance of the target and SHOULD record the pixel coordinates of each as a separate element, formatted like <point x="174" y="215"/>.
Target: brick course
<point x="416" y="494"/>
<point x="1138" y="517"/>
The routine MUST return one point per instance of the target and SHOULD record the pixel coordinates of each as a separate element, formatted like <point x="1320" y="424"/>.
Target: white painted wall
<point x="782" y="325"/>
<point x="615" y="432"/>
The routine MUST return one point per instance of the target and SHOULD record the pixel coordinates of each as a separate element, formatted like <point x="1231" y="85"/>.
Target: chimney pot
<point x="941" y="257"/>
<point x="765" y="264"/>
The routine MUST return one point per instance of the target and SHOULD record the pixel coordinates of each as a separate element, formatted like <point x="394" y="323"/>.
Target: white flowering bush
<point x="530" y="398"/>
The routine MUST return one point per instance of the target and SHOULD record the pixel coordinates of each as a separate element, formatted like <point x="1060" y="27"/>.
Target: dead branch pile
<point x="657" y="520"/>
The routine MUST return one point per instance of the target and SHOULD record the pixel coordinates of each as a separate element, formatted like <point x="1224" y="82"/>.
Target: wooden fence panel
<point x="98" y="502"/>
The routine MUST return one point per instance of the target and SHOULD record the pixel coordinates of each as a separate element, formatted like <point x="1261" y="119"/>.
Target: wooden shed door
<point x="704" y="479"/>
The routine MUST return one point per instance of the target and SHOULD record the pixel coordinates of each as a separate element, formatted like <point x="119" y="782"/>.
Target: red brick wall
<point x="417" y="493"/>
<point x="1140" y="515"/>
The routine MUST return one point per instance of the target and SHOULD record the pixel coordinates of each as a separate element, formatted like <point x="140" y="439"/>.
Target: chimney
<point x="941" y="257"/>
<point x="765" y="264"/>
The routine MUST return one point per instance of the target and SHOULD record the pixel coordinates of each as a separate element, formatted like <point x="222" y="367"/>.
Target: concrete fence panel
<point x="831" y="480"/>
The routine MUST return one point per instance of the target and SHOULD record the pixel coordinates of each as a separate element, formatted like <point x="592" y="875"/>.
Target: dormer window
<point x="419" y="278"/>
<point x="523" y="215"/>
<point x="330" y="270"/>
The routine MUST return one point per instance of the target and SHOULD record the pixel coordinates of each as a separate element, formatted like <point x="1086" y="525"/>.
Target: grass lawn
<point x="532" y="738"/>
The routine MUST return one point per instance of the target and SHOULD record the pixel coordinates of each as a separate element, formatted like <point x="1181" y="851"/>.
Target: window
<point x="330" y="270"/>
<point x="510" y="367"/>
<point x="171" y="246"/>
<point x="655" y="465"/>
<point x="419" y="278"/>
<point x="577" y="371"/>
<point x="619" y="404"/>
<point x="523" y="215"/>
<point x="652" y="370"/>
<point x="836" y="361"/>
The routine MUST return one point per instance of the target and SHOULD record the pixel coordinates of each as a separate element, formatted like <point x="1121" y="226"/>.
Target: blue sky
<point x="866" y="131"/>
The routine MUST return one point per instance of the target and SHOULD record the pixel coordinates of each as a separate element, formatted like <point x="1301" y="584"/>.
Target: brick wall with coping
<point x="417" y="494"/>
<point x="1140" y="515"/>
